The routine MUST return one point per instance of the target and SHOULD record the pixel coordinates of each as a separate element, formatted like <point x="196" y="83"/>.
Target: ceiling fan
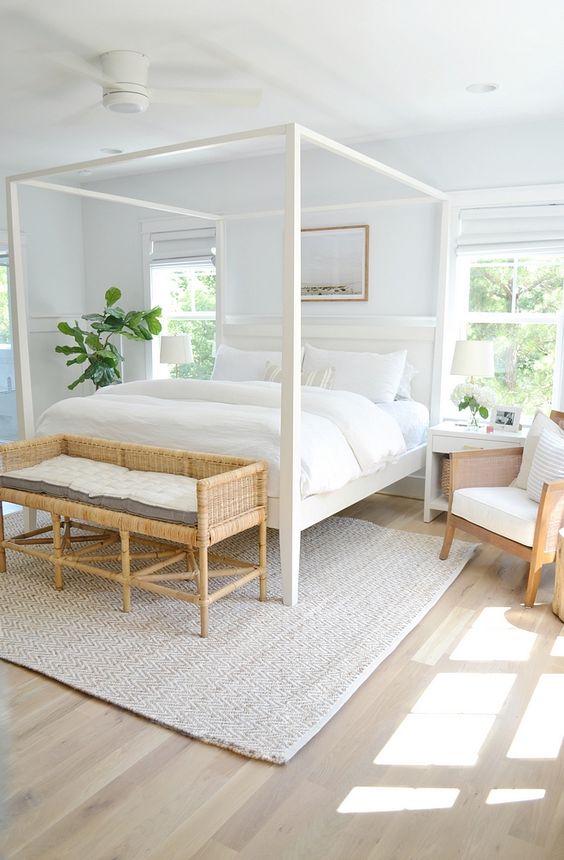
<point x="124" y="75"/>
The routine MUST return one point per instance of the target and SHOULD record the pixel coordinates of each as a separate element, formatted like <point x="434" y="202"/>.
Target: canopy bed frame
<point x="290" y="514"/>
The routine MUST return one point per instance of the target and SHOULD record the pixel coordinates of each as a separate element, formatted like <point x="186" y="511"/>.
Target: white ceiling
<point x="355" y="70"/>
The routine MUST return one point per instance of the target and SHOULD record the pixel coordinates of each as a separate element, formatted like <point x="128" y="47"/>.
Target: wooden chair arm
<point x="550" y="518"/>
<point x="487" y="467"/>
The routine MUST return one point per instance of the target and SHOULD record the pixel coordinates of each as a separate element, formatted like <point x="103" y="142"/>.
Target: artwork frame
<point x="506" y="418"/>
<point x="335" y="263"/>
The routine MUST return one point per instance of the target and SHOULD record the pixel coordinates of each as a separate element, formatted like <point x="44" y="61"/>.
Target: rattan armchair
<point x="498" y="467"/>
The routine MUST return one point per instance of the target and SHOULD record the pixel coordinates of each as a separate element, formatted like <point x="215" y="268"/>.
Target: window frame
<point x="175" y="225"/>
<point x="463" y="317"/>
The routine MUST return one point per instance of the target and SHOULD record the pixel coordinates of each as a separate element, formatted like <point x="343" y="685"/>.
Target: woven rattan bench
<point x="231" y="497"/>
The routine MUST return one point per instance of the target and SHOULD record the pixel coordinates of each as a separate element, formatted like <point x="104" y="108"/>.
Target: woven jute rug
<point x="268" y="677"/>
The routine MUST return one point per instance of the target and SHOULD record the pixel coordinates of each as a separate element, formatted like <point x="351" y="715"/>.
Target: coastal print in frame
<point x="335" y="264"/>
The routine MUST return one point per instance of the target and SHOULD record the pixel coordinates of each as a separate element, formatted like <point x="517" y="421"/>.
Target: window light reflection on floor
<point x="541" y="730"/>
<point x="558" y="648"/>
<point x="493" y="637"/>
<point x="369" y="798"/>
<point x="437" y="739"/>
<point x="465" y="693"/>
<point x="450" y="721"/>
<point x="514" y="795"/>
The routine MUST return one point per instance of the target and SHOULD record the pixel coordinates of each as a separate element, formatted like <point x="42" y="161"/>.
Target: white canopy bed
<point x="291" y="509"/>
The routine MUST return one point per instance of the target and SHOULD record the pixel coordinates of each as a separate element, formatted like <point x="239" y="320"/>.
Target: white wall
<point x="54" y="263"/>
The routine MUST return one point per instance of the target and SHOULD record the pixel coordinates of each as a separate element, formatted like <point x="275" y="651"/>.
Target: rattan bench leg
<point x="203" y="590"/>
<point x="125" y="571"/>
<point x="262" y="561"/>
<point x="2" y="550"/>
<point x="57" y="551"/>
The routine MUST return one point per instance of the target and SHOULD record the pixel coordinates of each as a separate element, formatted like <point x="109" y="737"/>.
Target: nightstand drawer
<point x="446" y="444"/>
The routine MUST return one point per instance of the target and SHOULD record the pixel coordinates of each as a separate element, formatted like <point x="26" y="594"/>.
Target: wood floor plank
<point x="90" y="781"/>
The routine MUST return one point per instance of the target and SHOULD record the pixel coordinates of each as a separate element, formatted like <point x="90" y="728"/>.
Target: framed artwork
<point x="507" y="418"/>
<point x="335" y="264"/>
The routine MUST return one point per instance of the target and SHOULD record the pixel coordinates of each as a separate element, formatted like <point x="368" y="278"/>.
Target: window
<point x="183" y="283"/>
<point x="516" y="300"/>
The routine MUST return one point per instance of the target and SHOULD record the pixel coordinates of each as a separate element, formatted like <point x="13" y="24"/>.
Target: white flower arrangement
<point x="477" y="398"/>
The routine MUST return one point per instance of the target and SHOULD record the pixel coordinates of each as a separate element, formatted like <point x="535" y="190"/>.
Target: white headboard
<point x="369" y="334"/>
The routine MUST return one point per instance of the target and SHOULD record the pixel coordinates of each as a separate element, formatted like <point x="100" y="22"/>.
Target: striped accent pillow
<point x="547" y="465"/>
<point x="321" y="378"/>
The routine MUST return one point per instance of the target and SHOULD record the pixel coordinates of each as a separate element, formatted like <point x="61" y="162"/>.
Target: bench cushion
<point x="507" y="511"/>
<point x="155" y="495"/>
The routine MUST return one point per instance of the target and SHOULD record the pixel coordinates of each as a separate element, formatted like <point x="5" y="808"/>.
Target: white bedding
<point x="413" y="419"/>
<point x="344" y="435"/>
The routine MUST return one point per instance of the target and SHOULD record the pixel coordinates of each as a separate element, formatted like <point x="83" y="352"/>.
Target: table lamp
<point x="176" y="349"/>
<point x="473" y="358"/>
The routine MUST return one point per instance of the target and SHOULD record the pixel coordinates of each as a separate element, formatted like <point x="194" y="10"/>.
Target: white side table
<point x="450" y="436"/>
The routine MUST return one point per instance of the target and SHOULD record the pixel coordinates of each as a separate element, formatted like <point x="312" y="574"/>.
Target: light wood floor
<point x="92" y="782"/>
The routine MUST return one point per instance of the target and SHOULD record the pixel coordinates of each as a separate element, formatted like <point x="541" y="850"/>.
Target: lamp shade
<point x="176" y="349"/>
<point x="473" y="358"/>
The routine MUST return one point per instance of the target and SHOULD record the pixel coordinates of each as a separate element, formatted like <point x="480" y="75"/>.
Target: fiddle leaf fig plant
<point x="94" y="347"/>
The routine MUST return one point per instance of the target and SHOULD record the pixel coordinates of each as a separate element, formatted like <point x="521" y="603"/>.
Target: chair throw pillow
<point x="547" y="465"/>
<point x="540" y="423"/>
<point x="321" y="378"/>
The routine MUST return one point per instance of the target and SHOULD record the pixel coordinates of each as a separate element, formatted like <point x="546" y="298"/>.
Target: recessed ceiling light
<point x="111" y="150"/>
<point x="482" y="88"/>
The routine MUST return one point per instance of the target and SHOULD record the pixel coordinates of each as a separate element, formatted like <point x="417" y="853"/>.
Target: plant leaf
<point x="112" y="296"/>
<point x="65" y="328"/>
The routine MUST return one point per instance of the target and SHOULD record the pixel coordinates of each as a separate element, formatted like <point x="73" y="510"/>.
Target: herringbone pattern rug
<point x="269" y="677"/>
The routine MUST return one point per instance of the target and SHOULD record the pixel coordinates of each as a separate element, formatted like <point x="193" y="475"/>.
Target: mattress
<point x="413" y="419"/>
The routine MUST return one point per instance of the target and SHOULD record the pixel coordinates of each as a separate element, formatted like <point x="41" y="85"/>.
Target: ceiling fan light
<point x="125" y="102"/>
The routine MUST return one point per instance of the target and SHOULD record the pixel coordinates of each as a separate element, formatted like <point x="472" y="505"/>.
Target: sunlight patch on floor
<point x="558" y="648"/>
<point x="437" y="739"/>
<point x="465" y="693"/>
<point x="514" y="795"/>
<point x="493" y="637"/>
<point x="541" y="730"/>
<point x="369" y="798"/>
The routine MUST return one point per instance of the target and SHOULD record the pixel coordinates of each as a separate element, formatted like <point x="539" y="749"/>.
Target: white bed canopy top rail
<point x="294" y="137"/>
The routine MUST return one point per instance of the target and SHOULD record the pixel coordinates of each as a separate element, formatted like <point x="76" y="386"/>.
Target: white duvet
<point x="343" y="435"/>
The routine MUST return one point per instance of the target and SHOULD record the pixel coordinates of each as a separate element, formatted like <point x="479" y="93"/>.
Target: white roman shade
<point x="172" y="245"/>
<point x="517" y="229"/>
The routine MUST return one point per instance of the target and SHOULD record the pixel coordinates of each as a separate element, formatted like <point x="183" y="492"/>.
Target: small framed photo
<point x="507" y="418"/>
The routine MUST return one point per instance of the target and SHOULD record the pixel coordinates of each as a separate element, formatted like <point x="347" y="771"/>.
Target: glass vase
<point x="473" y="421"/>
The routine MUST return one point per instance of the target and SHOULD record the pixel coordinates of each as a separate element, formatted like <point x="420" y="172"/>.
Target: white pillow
<point x="404" y="390"/>
<point x="540" y="423"/>
<point x="322" y="378"/>
<point x="375" y="376"/>
<point x="242" y="365"/>
<point x="547" y="465"/>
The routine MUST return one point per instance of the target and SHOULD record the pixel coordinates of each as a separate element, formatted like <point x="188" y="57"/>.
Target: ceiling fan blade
<point x="76" y="64"/>
<point x="78" y="115"/>
<point x="202" y="97"/>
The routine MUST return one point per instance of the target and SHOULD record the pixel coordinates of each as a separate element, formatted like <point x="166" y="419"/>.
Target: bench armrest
<point x="230" y="494"/>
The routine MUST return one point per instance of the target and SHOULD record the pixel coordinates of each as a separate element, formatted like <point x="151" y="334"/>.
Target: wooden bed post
<point x="290" y="416"/>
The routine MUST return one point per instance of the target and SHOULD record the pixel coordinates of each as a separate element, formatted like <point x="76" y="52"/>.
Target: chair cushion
<point x="547" y="465"/>
<point x="507" y="511"/>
